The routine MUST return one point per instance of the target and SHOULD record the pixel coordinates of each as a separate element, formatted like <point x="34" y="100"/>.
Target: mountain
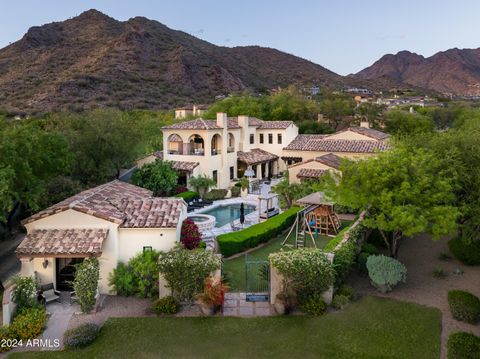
<point x="93" y="60"/>
<point x="455" y="71"/>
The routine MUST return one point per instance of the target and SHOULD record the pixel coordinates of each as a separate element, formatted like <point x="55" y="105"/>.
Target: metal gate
<point x="257" y="279"/>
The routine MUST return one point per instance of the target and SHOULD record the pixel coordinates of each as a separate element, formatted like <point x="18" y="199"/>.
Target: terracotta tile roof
<point x="43" y="242"/>
<point x="255" y="156"/>
<point x="330" y="160"/>
<point x="184" y="165"/>
<point x="310" y="173"/>
<point x="201" y="124"/>
<point x="323" y="144"/>
<point x="300" y="141"/>
<point x="106" y="202"/>
<point x="369" y="132"/>
<point x="274" y="125"/>
<point x="152" y="212"/>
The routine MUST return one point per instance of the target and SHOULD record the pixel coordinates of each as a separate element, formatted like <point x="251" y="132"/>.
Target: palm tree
<point x="202" y="184"/>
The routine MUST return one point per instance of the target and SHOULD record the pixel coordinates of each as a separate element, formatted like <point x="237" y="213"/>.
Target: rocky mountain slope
<point x="96" y="61"/>
<point x="455" y="71"/>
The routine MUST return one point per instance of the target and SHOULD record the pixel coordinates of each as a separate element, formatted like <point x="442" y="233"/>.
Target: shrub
<point x="369" y="248"/>
<point x="346" y="291"/>
<point x="186" y="270"/>
<point x="309" y="269"/>
<point x="314" y="305"/>
<point x="24" y="294"/>
<point x="187" y="196"/>
<point x="335" y="241"/>
<point x="464" y="306"/>
<point x="138" y="277"/>
<point x="385" y="272"/>
<point x="81" y="336"/>
<point x="213" y="292"/>
<point x="29" y="324"/>
<point x="362" y="262"/>
<point x="235" y="191"/>
<point x="85" y="283"/>
<point x="440" y="273"/>
<point x="239" y="241"/>
<point x="159" y="177"/>
<point x="166" y="305"/>
<point x="340" y="301"/>
<point x="463" y="345"/>
<point x="122" y="280"/>
<point x="190" y="236"/>
<point x="343" y="260"/>
<point x="467" y="251"/>
<point x="180" y="189"/>
<point x="7" y="334"/>
<point x="145" y="268"/>
<point x="215" y="194"/>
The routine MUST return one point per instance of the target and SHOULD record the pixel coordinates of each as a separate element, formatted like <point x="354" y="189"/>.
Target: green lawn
<point x="369" y="328"/>
<point x="235" y="268"/>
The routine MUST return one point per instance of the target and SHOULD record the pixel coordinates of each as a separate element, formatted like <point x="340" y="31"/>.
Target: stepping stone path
<point x="235" y="305"/>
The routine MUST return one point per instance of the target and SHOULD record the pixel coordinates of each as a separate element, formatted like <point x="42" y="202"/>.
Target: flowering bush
<point x="8" y="335"/>
<point x="186" y="270"/>
<point x="29" y="324"/>
<point x="190" y="236"/>
<point x="24" y="294"/>
<point x="86" y="282"/>
<point x="308" y="268"/>
<point x="213" y="292"/>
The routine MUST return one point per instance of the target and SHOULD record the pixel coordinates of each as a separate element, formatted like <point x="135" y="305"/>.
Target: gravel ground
<point x="421" y="257"/>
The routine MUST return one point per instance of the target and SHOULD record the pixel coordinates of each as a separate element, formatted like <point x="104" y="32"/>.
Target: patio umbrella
<point x="242" y="214"/>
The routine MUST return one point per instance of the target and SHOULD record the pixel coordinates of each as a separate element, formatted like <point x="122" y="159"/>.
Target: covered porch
<point x="50" y="255"/>
<point x="264" y="164"/>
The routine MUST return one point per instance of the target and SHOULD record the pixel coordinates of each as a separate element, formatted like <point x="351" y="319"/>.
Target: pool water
<point x="228" y="213"/>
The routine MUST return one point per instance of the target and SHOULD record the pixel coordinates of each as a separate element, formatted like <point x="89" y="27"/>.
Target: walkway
<point x="235" y="305"/>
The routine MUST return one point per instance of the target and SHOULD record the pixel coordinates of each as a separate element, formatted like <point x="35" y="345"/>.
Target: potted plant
<point x="211" y="299"/>
<point x="285" y="300"/>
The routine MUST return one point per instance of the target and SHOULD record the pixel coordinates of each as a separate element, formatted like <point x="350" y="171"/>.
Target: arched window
<point x="216" y="144"/>
<point x="175" y="144"/>
<point x="196" y="145"/>
<point x="231" y="143"/>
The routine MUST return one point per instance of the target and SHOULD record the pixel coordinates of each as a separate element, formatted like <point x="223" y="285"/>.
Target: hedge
<point x="215" y="194"/>
<point x="250" y="237"/>
<point x="464" y="306"/>
<point x="187" y="196"/>
<point x="467" y="251"/>
<point x="333" y="243"/>
<point x="463" y="345"/>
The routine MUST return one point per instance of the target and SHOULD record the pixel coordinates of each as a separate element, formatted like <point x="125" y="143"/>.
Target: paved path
<point x="235" y="305"/>
<point x="61" y="313"/>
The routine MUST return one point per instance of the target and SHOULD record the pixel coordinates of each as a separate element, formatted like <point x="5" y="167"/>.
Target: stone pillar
<point x="267" y="169"/>
<point x="163" y="290"/>
<point x="276" y="282"/>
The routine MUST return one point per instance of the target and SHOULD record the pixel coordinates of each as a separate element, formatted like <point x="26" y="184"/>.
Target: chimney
<point x="222" y="120"/>
<point x="364" y="124"/>
<point x="244" y="133"/>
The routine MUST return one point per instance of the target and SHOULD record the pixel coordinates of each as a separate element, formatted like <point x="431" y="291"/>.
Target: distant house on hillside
<point x="194" y="110"/>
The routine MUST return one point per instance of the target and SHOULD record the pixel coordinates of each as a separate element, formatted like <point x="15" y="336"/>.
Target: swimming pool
<point x="228" y="213"/>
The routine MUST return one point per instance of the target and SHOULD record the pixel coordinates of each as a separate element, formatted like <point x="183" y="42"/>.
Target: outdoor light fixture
<point x="45" y="264"/>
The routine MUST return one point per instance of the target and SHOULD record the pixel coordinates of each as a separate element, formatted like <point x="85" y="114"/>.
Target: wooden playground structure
<point x="317" y="218"/>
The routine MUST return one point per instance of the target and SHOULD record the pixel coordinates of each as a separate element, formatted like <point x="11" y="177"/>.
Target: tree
<point x="202" y="184"/>
<point x="403" y="123"/>
<point x="336" y="109"/>
<point x="289" y="192"/>
<point x="372" y="113"/>
<point x="404" y="191"/>
<point x="159" y="177"/>
<point x="30" y="158"/>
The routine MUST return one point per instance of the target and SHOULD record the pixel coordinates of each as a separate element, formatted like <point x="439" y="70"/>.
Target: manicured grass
<point x="235" y="268"/>
<point x="369" y="328"/>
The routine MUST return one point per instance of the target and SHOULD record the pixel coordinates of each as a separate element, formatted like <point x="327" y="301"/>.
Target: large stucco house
<point x="113" y="222"/>
<point x="224" y="148"/>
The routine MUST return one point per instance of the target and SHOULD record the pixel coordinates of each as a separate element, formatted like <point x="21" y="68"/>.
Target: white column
<point x="259" y="171"/>
<point x="267" y="169"/>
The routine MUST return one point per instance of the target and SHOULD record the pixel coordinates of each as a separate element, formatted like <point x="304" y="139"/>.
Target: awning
<point x="310" y="173"/>
<point x="63" y="243"/>
<point x="255" y="156"/>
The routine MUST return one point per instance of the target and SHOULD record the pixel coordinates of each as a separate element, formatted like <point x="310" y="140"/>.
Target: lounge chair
<point x="49" y="293"/>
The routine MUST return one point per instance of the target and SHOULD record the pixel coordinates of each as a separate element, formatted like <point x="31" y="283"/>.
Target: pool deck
<point x="250" y="219"/>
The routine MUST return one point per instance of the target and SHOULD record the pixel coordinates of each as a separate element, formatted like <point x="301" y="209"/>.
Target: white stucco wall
<point x="293" y="170"/>
<point x="132" y="240"/>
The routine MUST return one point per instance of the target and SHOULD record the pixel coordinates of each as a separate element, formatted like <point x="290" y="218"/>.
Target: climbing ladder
<point x="301" y="227"/>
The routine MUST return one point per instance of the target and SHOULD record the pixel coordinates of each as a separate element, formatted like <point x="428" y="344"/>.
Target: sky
<point x="342" y="35"/>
